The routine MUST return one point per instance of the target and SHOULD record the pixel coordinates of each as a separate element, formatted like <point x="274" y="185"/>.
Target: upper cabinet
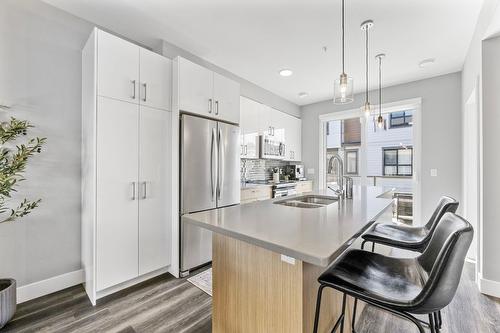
<point x="155" y="79"/>
<point x="130" y="73"/>
<point x="118" y="68"/>
<point x="204" y="92"/>
<point x="259" y="119"/>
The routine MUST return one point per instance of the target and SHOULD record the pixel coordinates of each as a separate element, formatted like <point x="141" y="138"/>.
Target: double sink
<point x="308" y="201"/>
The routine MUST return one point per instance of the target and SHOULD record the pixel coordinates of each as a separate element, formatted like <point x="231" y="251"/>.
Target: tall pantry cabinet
<point x="126" y="204"/>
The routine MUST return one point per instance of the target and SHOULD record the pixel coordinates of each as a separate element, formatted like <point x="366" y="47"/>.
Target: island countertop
<point x="313" y="235"/>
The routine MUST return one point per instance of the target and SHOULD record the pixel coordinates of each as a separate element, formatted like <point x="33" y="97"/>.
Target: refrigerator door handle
<point x="213" y="166"/>
<point x="221" y="164"/>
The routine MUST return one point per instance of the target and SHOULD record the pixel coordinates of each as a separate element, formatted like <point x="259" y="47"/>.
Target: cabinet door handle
<point x="144" y="190"/>
<point x="209" y="105"/>
<point x="133" y="89"/>
<point x="216" y="107"/>
<point x="133" y="190"/>
<point x="270" y="130"/>
<point x="145" y="89"/>
<point x="246" y="150"/>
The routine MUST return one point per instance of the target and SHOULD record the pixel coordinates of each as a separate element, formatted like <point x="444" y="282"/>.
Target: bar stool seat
<point x="377" y="278"/>
<point x="409" y="237"/>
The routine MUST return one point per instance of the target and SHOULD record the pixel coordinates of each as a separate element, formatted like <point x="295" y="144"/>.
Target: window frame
<point x="404" y="117"/>
<point x="346" y="166"/>
<point x="397" y="165"/>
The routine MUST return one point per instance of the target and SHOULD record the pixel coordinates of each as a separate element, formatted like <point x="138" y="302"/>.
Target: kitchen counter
<point x="313" y="235"/>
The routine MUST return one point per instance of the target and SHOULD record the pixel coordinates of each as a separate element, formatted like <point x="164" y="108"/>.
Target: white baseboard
<point x="488" y="287"/>
<point x="48" y="286"/>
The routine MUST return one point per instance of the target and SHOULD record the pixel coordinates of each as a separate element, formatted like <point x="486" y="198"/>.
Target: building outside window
<point x="398" y="161"/>
<point x="401" y="119"/>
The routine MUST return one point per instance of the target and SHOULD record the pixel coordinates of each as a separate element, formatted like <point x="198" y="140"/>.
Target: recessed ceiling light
<point x="286" y="72"/>
<point x="426" y="62"/>
<point x="303" y="95"/>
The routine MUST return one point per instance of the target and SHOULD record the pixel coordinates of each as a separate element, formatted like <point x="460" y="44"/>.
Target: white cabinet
<point x="259" y="119"/>
<point x="118" y="68"/>
<point x="251" y="113"/>
<point x="117" y="206"/>
<point x="155" y="80"/>
<point x="126" y="210"/>
<point x="226" y="99"/>
<point x="133" y="74"/>
<point x="293" y="132"/>
<point x="204" y="92"/>
<point x="153" y="187"/>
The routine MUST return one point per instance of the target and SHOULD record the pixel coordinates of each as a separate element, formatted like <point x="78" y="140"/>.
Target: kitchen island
<point x="267" y="257"/>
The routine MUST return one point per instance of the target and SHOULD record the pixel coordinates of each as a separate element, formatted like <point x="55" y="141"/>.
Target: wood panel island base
<point x="255" y="291"/>
<point x="266" y="259"/>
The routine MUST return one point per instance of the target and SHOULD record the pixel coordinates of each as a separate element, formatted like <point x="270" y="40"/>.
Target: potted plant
<point x="14" y="157"/>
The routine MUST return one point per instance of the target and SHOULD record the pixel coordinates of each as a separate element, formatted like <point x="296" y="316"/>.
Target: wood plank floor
<point x="166" y="304"/>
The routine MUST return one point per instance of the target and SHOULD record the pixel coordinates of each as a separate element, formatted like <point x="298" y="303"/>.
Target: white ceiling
<point x="256" y="38"/>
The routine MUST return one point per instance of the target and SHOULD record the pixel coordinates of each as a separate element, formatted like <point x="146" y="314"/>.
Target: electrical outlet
<point x="434" y="172"/>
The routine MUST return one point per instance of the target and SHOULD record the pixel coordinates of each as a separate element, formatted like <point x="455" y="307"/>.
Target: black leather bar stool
<point x="408" y="237"/>
<point x="403" y="286"/>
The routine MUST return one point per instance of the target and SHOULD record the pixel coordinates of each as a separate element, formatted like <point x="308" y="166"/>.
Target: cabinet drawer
<point x="256" y="193"/>
<point x="305" y="186"/>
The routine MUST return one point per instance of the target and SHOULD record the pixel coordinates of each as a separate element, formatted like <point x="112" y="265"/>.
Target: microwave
<point x="270" y="148"/>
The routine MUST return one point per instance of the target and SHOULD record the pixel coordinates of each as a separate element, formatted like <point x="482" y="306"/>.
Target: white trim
<point x="50" y="285"/>
<point x="412" y="103"/>
<point x="488" y="287"/>
<point x="130" y="283"/>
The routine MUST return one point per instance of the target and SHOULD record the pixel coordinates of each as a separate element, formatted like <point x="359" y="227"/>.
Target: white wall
<point x="441" y="133"/>
<point x="491" y="159"/>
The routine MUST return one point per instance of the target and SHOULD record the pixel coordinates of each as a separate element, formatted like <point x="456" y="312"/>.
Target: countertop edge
<point x="314" y="260"/>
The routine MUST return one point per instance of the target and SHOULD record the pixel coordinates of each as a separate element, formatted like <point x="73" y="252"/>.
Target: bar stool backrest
<point x="445" y="204"/>
<point x="443" y="261"/>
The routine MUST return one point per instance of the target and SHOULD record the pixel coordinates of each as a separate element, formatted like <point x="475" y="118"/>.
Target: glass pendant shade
<point x="380" y="121"/>
<point x="343" y="91"/>
<point x="367" y="109"/>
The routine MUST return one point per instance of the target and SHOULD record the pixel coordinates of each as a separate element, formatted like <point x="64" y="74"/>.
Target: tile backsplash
<point x="258" y="170"/>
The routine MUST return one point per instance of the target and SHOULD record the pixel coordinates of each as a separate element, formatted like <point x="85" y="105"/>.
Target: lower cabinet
<point x="256" y="193"/>
<point x="132" y="226"/>
<point x="304" y="186"/>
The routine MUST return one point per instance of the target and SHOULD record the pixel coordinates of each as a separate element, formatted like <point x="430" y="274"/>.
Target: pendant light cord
<point x="366" y="64"/>
<point x="343" y="71"/>
<point x="380" y="86"/>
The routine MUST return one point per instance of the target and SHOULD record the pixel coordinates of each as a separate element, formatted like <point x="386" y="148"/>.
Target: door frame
<point x="412" y="103"/>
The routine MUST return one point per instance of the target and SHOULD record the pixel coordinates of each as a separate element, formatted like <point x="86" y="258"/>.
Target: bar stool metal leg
<point x="342" y="316"/>
<point x="440" y="320"/>
<point x="432" y="325"/>
<point x="353" y="330"/>
<point x="318" y="308"/>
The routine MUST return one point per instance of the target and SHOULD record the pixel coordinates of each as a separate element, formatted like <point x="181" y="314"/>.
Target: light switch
<point x="434" y="172"/>
<point x="310" y="171"/>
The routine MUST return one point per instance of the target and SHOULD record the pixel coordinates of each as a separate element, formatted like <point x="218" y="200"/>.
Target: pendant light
<point x="367" y="108"/>
<point x="380" y="119"/>
<point x="343" y="87"/>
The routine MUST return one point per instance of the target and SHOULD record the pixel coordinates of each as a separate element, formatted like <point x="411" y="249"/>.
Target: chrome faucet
<point x="336" y="158"/>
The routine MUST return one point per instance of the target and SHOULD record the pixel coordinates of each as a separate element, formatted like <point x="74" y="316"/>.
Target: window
<point x="398" y="161"/>
<point x="351" y="162"/>
<point x="401" y="119"/>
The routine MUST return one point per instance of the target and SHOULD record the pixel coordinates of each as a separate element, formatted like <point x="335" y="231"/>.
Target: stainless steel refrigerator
<point x="210" y="179"/>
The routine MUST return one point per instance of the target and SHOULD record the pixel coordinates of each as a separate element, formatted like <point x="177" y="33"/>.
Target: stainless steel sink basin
<point x="308" y="201"/>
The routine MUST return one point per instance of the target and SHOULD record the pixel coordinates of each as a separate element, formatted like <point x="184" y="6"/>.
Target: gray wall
<point x="441" y="133"/>
<point x="40" y="66"/>
<point x="472" y="77"/>
<point x="248" y="89"/>
<point x="491" y="158"/>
